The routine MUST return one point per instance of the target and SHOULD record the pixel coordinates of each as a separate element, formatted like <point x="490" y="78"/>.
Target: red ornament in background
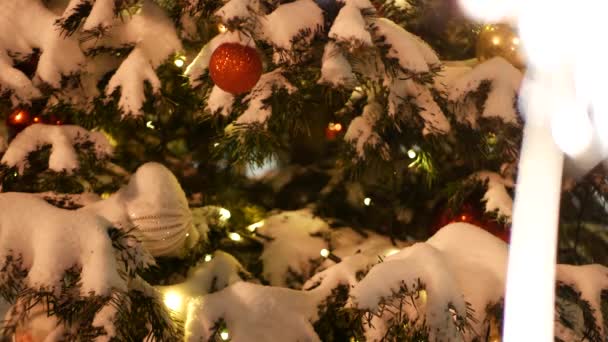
<point x="469" y="214"/>
<point x="235" y="68"/>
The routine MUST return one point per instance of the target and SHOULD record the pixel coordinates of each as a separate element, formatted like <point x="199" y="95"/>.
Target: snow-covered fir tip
<point x="591" y="281"/>
<point x="149" y="31"/>
<point x="238" y="10"/>
<point x="452" y="256"/>
<point x="253" y="312"/>
<point x="497" y="198"/>
<point x="295" y="245"/>
<point x="301" y="18"/>
<point x="155" y="39"/>
<point x="335" y="68"/>
<point x="56" y="239"/>
<point x="220" y="101"/>
<point x="350" y="28"/>
<point x="20" y="35"/>
<point x="361" y="130"/>
<point x="62" y="139"/>
<point x="413" y="53"/>
<point x="257" y="110"/>
<point x="505" y="81"/>
<point x="214" y="273"/>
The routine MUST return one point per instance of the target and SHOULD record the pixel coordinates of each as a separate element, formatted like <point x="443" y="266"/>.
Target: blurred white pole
<point x="554" y="100"/>
<point x="529" y="302"/>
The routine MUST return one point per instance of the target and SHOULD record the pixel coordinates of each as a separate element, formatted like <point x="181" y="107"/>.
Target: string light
<point x="150" y="125"/>
<point x="422" y="295"/>
<point x="36" y="119"/>
<point x="367" y="201"/>
<point x="252" y="227"/>
<point x="336" y="127"/>
<point x="222" y="28"/>
<point x="412" y="153"/>
<point x="105" y="195"/>
<point x="225" y="214"/>
<point x="180" y="61"/>
<point x="391" y="251"/>
<point x="235" y="236"/>
<point x="19" y="117"/>
<point x="208" y="257"/>
<point x="329" y="255"/>
<point x="224" y="335"/>
<point x="173" y="300"/>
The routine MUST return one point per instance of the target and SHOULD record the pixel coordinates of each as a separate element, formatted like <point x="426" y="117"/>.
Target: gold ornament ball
<point x="500" y="40"/>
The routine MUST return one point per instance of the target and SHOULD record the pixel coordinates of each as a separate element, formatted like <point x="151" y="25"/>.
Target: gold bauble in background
<point x="500" y="40"/>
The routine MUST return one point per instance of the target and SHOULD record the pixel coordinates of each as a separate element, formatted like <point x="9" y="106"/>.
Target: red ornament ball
<point x="235" y="68"/>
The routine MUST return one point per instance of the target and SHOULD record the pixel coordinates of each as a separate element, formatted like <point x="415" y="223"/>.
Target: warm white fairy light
<point x="367" y="201"/>
<point x="173" y="300"/>
<point x="253" y="227"/>
<point x="235" y="236"/>
<point x="208" y="257"/>
<point x="412" y="153"/>
<point x="336" y="127"/>
<point x="222" y="28"/>
<point x="225" y="214"/>
<point x="150" y="125"/>
<point x="179" y="62"/>
<point x="423" y="296"/>
<point x="324" y="252"/>
<point x="391" y="251"/>
<point x="224" y="335"/>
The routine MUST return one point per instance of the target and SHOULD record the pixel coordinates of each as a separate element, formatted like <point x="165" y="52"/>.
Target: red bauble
<point x="469" y="214"/>
<point x="235" y="68"/>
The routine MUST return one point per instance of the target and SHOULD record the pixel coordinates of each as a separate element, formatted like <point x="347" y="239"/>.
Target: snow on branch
<point x="361" y="133"/>
<point x="258" y="111"/>
<point x="591" y="281"/>
<point x="335" y="68"/>
<point x="443" y="268"/>
<point x="54" y="240"/>
<point x="497" y="197"/>
<point x="253" y="312"/>
<point x="504" y="82"/>
<point x="350" y="28"/>
<point x="238" y="10"/>
<point x="220" y="101"/>
<point x="149" y="33"/>
<point x="296" y="241"/>
<point x="358" y="253"/>
<point x="290" y="20"/>
<point x="155" y="39"/>
<point x="413" y="54"/>
<point x="97" y="14"/>
<point x="20" y="35"/>
<point x="62" y="140"/>
<point x="209" y="276"/>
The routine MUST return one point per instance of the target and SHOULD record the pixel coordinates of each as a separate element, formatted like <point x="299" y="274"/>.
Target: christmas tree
<point x="257" y="170"/>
